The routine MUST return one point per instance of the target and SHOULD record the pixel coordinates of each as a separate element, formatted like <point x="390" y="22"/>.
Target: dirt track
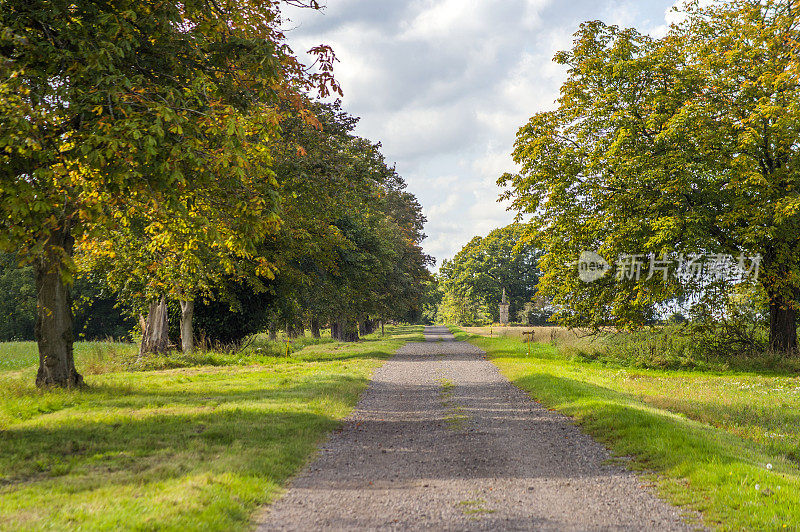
<point x="442" y="441"/>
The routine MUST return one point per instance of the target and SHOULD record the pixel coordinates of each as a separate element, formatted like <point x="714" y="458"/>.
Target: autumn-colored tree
<point x="684" y="144"/>
<point x="107" y="106"/>
<point x="184" y="250"/>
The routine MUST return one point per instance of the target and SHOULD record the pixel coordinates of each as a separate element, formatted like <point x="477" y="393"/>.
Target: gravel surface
<point x="442" y="441"/>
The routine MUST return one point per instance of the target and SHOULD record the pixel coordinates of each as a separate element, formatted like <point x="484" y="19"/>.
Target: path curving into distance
<point x="440" y="440"/>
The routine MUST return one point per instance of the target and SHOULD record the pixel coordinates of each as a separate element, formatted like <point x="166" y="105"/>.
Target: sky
<point x="444" y="85"/>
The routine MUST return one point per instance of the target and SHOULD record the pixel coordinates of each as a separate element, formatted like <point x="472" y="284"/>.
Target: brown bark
<point x="155" y="337"/>
<point x="292" y="331"/>
<point x="187" y="332"/>
<point x="367" y="326"/>
<point x="315" y="328"/>
<point x="346" y="330"/>
<point x="54" y="316"/>
<point x="782" y="325"/>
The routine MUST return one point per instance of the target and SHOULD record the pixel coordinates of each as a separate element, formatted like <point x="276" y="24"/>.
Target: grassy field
<point x="88" y="355"/>
<point x="198" y="447"/>
<point x="724" y="443"/>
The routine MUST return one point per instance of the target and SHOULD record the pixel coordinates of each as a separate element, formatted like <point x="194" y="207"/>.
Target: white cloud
<point x="445" y="84"/>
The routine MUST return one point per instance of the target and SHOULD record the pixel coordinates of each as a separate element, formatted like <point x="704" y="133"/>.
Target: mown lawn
<point x="726" y="444"/>
<point x="190" y="448"/>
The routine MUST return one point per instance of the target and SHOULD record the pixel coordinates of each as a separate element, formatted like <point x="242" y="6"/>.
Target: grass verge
<point x="191" y="448"/>
<point x="725" y="444"/>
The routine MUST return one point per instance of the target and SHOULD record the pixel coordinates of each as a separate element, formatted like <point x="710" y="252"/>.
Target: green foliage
<point x="98" y="312"/>
<point x="227" y="321"/>
<point x="431" y="302"/>
<point x="349" y="246"/>
<point x="685" y="144"/>
<point x="461" y="307"/>
<point x="474" y="280"/>
<point x="18" y="302"/>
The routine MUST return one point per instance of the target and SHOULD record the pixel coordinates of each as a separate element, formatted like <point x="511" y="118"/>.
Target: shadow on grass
<point x="723" y="472"/>
<point x="174" y="455"/>
<point x="200" y="393"/>
<point x="161" y="447"/>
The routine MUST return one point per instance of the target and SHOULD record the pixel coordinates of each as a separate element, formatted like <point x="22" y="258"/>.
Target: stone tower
<point x="504" y="309"/>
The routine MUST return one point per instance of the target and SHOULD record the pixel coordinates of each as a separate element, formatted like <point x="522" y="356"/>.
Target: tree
<point x="685" y="144"/>
<point x="476" y="277"/>
<point x="348" y="249"/>
<point x="98" y="314"/>
<point x="103" y="102"/>
<point x="18" y="304"/>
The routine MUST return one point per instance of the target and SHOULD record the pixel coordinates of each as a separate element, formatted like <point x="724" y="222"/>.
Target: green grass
<point x="474" y="506"/>
<point x="456" y="419"/>
<point x="191" y="448"/>
<point x="24" y="355"/>
<point x="458" y="333"/>
<point x="725" y="443"/>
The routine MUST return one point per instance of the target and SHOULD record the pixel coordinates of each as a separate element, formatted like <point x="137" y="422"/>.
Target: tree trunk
<point x="187" y="333"/>
<point x="381" y="327"/>
<point x="155" y="337"/>
<point x="292" y="331"/>
<point x="782" y="326"/>
<point x="54" y="316"/>
<point x="315" y="327"/>
<point x="348" y="330"/>
<point x="335" y="330"/>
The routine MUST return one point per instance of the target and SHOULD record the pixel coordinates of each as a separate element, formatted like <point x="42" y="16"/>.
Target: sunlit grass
<point x="725" y="443"/>
<point x="15" y="356"/>
<point x="198" y="447"/>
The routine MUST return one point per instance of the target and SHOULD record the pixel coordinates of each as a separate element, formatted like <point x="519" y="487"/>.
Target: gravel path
<point x="442" y="441"/>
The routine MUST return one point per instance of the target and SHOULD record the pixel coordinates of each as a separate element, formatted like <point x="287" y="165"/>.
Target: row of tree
<point x="173" y="149"/>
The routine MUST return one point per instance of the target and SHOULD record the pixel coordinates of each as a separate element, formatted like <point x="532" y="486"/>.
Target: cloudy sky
<point x="445" y="84"/>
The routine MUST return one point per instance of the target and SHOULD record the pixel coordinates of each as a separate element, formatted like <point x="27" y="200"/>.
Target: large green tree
<point x="474" y="280"/>
<point x="102" y="102"/>
<point x="684" y="144"/>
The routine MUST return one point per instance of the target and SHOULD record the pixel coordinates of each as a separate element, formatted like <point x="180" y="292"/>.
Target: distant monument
<point x="504" y="309"/>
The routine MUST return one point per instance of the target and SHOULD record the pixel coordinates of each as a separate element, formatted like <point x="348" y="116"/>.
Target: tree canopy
<point x="679" y="145"/>
<point x="112" y="110"/>
<point x="473" y="281"/>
